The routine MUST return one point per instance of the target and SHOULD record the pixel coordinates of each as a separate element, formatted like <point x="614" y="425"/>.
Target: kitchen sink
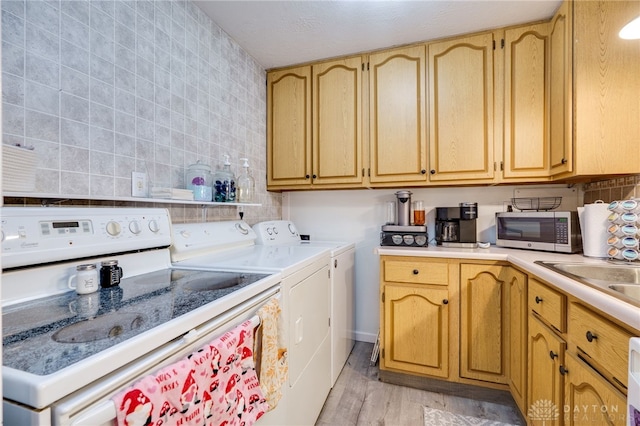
<point x="621" y="280"/>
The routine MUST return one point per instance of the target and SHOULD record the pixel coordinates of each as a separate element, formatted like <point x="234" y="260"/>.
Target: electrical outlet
<point x="139" y="187"/>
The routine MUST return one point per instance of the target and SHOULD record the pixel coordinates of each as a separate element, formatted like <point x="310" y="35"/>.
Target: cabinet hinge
<point x="363" y="66"/>
<point x="367" y="66"/>
<point x="369" y="172"/>
<point x="363" y="172"/>
<point x="382" y="354"/>
<point x="502" y="166"/>
<point x="382" y="297"/>
<point x="494" y="45"/>
<point x="502" y="43"/>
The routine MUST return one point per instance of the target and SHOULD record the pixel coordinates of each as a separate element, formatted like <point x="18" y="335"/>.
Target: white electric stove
<point x="305" y="289"/>
<point x="282" y="233"/>
<point x="65" y="355"/>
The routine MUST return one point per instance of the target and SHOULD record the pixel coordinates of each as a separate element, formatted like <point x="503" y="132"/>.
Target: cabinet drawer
<point x="547" y="303"/>
<point x="417" y="272"/>
<point x="605" y="342"/>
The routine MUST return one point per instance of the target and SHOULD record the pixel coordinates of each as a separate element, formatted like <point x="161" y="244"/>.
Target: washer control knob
<point x="185" y="234"/>
<point x="134" y="227"/>
<point x="243" y="229"/>
<point x="275" y="230"/>
<point x="113" y="228"/>
<point x="292" y="229"/>
<point x="269" y="231"/>
<point x="153" y="226"/>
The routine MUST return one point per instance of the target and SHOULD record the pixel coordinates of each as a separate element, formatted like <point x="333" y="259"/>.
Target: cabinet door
<point x="590" y="399"/>
<point x="526" y="138"/>
<point x="289" y="127"/>
<point x="397" y="116"/>
<point x="482" y="322"/>
<point x="546" y="355"/>
<point x="517" y="332"/>
<point x="560" y="84"/>
<point x="461" y="109"/>
<point x="337" y="122"/>
<point x="606" y="89"/>
<point x="416" y="330"/>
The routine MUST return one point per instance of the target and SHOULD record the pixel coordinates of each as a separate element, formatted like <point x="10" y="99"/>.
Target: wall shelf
<point x="56" y="198"/>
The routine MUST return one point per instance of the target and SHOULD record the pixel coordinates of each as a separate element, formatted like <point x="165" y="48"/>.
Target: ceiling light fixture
<point x="631" y="31"/>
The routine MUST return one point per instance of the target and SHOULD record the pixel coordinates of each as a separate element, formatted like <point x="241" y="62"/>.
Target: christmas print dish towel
<point x="214" y="385"/>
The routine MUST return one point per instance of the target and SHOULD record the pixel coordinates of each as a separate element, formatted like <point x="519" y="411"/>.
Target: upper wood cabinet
<point x="397" y="116"/>
<point x="526" y="100"/>
<point x="337" y="122"/>
<point x="289" y="127"/>
<point x="315" y="125"/>
<point x="461" y="109"/>
<point x="560" y="87"/>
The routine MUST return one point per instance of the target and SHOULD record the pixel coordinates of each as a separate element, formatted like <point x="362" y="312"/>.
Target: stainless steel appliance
<point x="403" y="204"/>
<point x="305" y="290"/>
<point x="556" y="231"/>
<point x="342" y="264"/>
<point x="65" y="355"/>
<point x="456" y="226"/>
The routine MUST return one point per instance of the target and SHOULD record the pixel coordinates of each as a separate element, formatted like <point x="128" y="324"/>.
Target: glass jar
<point x="199" y="180"/>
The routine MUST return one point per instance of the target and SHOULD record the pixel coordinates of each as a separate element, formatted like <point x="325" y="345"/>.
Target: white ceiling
<point x="281" y="33"/>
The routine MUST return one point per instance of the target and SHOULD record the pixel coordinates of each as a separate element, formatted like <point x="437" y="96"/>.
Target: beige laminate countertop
<point x="524" y="259"/>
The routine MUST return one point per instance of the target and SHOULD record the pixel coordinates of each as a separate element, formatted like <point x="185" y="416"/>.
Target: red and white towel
<point x="215" y="385"/>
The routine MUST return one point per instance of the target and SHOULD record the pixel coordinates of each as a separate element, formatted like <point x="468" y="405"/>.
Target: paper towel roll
<point x="593" y="225"/>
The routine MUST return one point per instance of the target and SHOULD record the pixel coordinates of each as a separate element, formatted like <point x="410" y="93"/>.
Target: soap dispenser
<point x="225" y="183"/>
<point x="246" y="183"/>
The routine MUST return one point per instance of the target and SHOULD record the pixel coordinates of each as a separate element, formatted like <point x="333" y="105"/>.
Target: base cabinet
<point x="589" y="399"/>
<point x="546" y="356"/>
<point x="416" y="330"/>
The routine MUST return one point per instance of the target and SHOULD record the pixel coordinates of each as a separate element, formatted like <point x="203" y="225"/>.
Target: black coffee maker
<point x="456" y="226"/>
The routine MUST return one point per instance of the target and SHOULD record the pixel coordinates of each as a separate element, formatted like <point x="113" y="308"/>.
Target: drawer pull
<point x="563" y="370"/>
<point x="445" y="302"/>
<point x="552" y="355"/>
<point x="538" y="299"/>
<point x="591" y="337"/>
<point x="416" y="272"/>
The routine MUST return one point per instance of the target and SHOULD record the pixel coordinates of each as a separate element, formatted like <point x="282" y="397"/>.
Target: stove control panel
<point x="276" y="232"/>
<point x="35" y="235"/>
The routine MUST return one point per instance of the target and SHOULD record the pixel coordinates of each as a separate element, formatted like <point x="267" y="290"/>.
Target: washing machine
<point x="342" y="267"/>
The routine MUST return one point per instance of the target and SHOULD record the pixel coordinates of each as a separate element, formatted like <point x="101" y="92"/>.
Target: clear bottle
<point x="246" y="183"/>
<point x="224" y="183"/>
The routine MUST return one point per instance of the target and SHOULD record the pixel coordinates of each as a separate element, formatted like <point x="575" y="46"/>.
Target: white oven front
<point x="92" y="405"/>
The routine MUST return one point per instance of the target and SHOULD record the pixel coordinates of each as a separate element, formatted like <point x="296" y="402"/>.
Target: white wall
<point x="357" y="215"/>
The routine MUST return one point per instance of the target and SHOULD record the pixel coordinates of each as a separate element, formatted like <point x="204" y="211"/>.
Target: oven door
<point x="93" y="405"/>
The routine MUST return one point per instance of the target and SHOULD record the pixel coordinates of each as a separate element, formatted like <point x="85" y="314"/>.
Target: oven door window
<point x="540" y="230"/>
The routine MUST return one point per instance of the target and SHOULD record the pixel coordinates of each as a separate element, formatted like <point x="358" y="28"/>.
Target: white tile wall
<point x="104" y="88"/>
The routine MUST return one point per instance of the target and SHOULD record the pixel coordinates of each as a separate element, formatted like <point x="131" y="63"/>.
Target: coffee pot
<point x="403" y="204"/>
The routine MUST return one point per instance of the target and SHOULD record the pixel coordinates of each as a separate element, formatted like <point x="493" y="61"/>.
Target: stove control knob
<point x="153" y="226"/>
<point x="134" y="227"/>
<point x="113" y="228"/>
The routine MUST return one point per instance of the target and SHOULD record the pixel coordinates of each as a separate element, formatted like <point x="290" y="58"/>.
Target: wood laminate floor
<point x="359" y="398"/>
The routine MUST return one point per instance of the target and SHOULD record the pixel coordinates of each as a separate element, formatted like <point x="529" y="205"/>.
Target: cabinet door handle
<point x="432" y="171"/>
<point x="423" y="171"/>
<point x="591" y="337"/>
<point x="563" y="370"/>
<point x="335" y="263"/>
<point x="563" y="161"/>
<point x="445" y="302"/>
<point x="553" y="355"/>
<point x="307" y="176"/>
<point x="538" y="299"/>
<point x="315" y="176"/>
<point x="416" y="272"/>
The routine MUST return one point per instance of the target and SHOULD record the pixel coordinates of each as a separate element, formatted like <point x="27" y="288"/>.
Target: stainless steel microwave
<point x="546" y="231"/>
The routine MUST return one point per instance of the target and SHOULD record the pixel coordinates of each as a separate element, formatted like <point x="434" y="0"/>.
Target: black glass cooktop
<point x="45" y="335"/>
